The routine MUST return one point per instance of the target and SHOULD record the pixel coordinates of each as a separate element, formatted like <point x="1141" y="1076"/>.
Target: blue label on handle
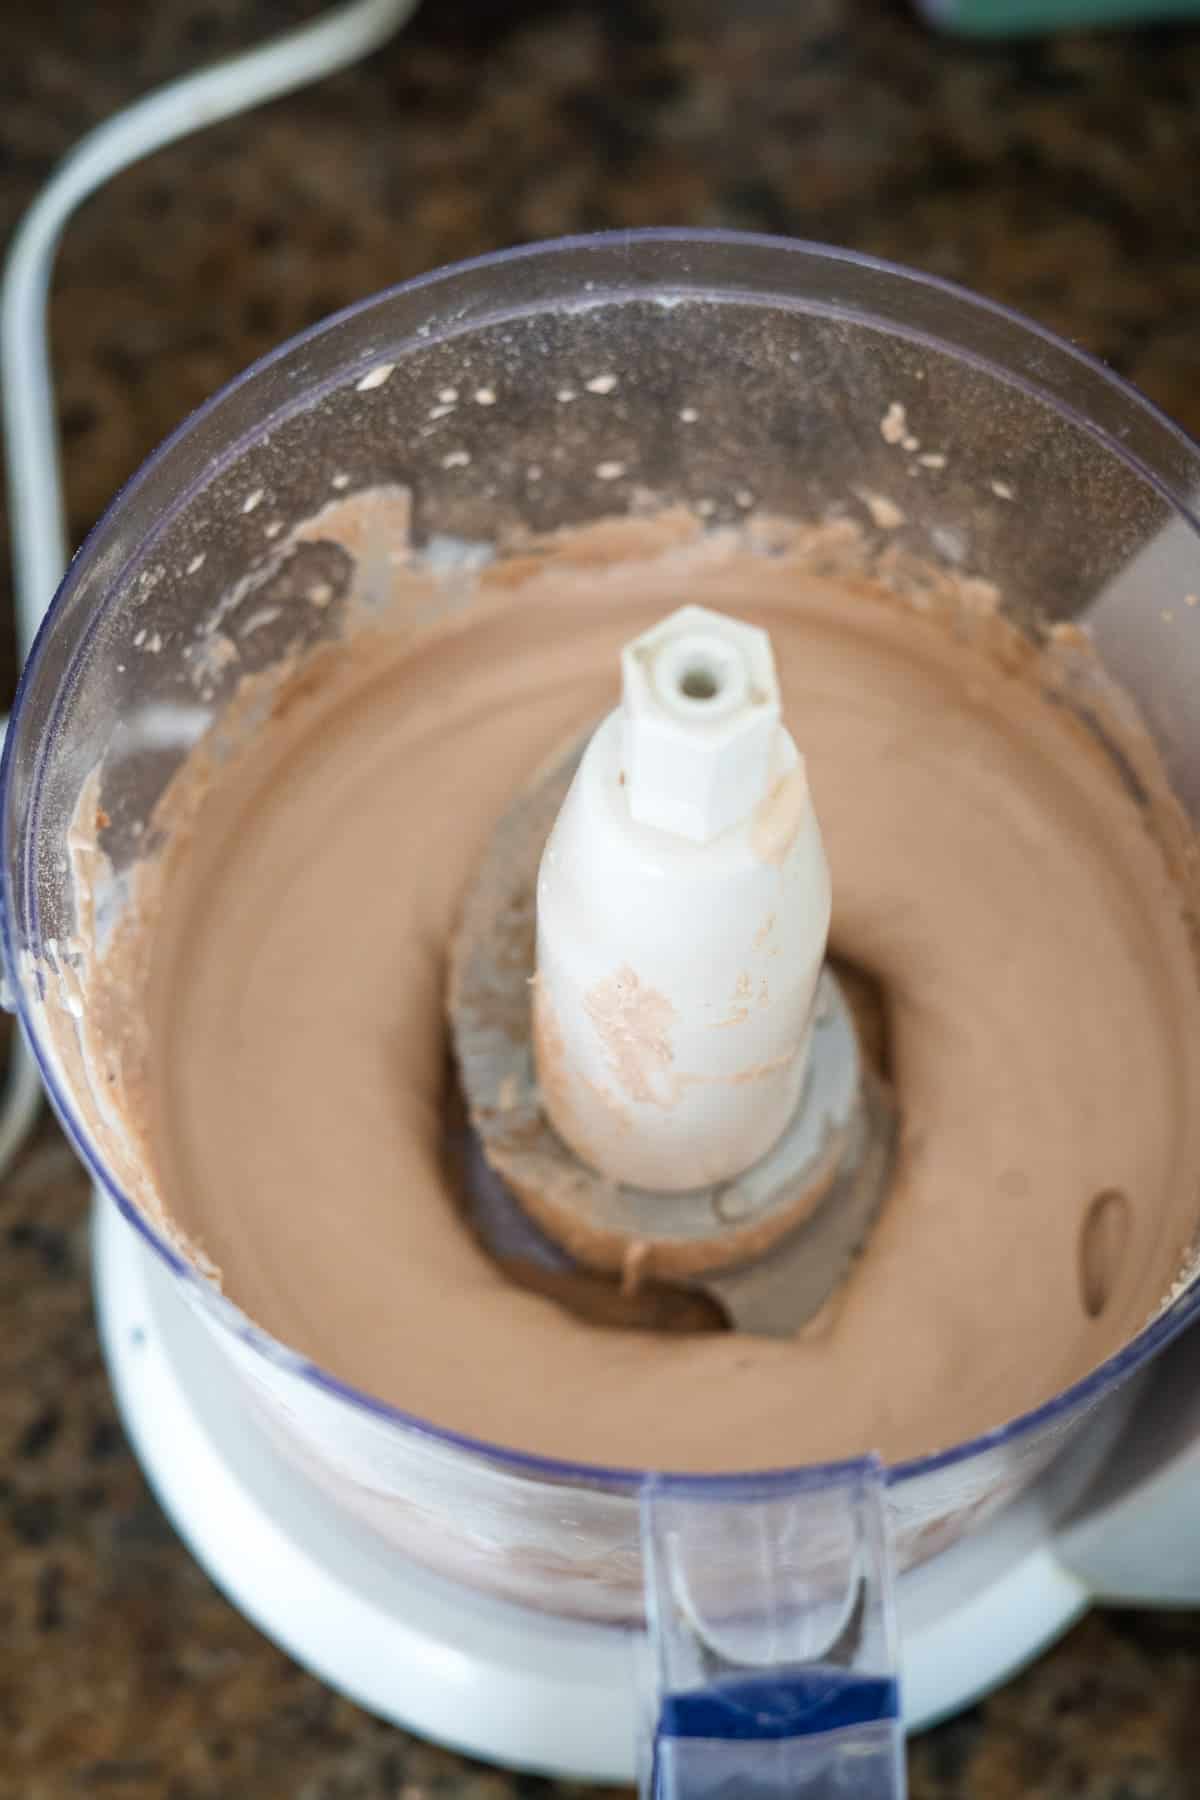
<point x="787" y="1703"/>
<point x="776" y="1736"/>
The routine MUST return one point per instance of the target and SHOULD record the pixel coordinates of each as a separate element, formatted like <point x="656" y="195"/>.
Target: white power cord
<point x="35" y="497"/>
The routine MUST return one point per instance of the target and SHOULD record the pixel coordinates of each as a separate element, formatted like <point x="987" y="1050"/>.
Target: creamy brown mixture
<point x="989" y="867"/>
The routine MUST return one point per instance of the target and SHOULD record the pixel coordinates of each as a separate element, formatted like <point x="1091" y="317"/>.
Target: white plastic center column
<point x="683" y="909"/>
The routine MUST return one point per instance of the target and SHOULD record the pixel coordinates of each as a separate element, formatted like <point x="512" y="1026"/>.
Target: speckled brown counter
<point x="1059" y="177"/>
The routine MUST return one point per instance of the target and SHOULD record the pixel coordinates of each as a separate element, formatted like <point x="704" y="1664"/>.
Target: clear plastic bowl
<point x="790" y="355"/>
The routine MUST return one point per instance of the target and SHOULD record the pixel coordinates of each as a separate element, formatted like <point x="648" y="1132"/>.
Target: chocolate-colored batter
<point x="989" y="867"/>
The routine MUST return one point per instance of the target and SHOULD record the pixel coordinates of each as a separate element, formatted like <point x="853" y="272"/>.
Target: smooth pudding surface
<point x="989" y="867"/>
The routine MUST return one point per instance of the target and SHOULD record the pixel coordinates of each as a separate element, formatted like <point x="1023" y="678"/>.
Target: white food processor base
<point x="496" y="1681"/>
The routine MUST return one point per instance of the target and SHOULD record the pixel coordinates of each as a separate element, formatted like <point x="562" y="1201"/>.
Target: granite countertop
<point x="1057" y="176"/>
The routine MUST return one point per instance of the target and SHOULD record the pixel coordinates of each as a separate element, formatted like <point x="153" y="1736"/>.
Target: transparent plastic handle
<point x="772" y="1666"/>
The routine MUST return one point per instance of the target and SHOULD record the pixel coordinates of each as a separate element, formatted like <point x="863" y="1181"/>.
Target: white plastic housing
<point x="301" y="1556"/>
<point x="675" y="978"/>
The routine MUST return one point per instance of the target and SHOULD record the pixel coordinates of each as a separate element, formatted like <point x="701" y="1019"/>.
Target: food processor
<point x="772" y="1632"/>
